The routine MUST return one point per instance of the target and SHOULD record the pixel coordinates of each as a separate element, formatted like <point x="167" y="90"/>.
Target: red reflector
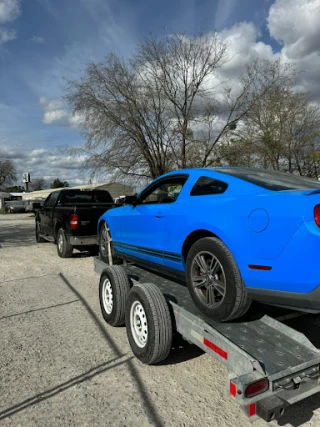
<point x="317" y="215"/>
<point x="233" y="389"/>
<point x="252" y="409"/>
<point x="257" y="388"/>
<point x="74" y="221"/>
<point x="215" y="348"/>
<point x="259" y="267"/>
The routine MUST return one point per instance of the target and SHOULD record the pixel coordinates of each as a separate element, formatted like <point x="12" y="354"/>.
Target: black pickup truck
<point x="69" y="218"/>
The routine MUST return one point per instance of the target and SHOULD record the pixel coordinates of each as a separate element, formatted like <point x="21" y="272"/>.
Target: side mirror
<point x="130" y="200"/>
<point x="36" y="205"/>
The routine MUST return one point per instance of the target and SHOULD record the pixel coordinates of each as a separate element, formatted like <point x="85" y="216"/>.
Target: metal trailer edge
<point x="277" y="364"/>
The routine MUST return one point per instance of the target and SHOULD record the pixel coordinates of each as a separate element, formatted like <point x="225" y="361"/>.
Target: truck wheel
<point x="103" y="247"/>
<point x="114" y="288"/>
<point x="39" y="239"/>
<point x="148" y="323"/>
<point x="63" y="247"/>
<point x="214" y="280"/>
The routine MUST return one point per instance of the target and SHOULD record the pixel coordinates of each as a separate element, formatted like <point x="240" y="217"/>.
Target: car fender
<point x="216" y="231"/>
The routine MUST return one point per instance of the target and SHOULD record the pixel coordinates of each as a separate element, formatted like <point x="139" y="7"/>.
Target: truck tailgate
<point x="88" y="215"/>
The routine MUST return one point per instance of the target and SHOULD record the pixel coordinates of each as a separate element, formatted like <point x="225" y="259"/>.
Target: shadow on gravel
<point x="17" y="235"/>
<point x="300" y="413"/>
<point x="181" y="351"/>
<point x="150" y="408"/>
<point x="97" y="370"/>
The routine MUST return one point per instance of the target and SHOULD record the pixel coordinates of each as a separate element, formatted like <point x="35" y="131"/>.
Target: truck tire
<point x="148" y="324"/>
<point x="114" y="288"/>
<point x="39" y="239"/>
<point x="103" y="248"/>
<point x="214" y="280"/>
<point x="64" y="248"/>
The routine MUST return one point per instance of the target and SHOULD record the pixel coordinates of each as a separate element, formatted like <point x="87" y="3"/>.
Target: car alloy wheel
<point x="208" y="278"/>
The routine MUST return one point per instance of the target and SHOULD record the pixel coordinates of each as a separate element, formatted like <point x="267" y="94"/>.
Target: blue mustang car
<point x="232" y="234"/>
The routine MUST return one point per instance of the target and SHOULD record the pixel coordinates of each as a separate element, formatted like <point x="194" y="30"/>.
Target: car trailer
<point x="271" y="365"/>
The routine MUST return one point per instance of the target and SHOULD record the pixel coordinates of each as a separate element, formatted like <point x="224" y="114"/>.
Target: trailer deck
<point x="258" y="347"/>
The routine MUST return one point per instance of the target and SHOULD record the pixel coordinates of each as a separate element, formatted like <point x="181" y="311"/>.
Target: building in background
<point x="115" y="189"/>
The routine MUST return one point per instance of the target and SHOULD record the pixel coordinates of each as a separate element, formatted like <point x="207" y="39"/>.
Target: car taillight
<point x="316" y="212"/>
<point x="257" y="388"/>
<point x="74" y="221"/>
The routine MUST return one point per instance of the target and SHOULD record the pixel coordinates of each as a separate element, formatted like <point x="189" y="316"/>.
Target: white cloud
<point x="38" y="39"/>
<point x="43" y="163"/>
<point x="295" y="24"/>
<point x="6" y="35"/>
<point x="55" y="113"/>
<point x="224" y="10"/>
<point x="9" y="10"/>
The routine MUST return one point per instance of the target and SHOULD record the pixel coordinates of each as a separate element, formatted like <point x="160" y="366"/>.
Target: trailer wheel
<point x="148" y="323"/>
<point x="64" y="248"/>
<point x="39" y="239"/>
<point x="114" y="288"/>
<point x="214" y="280"/>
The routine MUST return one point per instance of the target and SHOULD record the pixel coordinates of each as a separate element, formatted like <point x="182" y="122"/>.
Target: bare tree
<point x="164" y="109"/>
<point x="281" y="131"/>
<point x="181" y="67"/>
<point x="38" y="184"/>
<point x="7" y="172"/>
<point x="136" y="115"/>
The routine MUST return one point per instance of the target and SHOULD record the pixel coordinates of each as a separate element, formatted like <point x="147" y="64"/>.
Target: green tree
<point x="59" y="184"/>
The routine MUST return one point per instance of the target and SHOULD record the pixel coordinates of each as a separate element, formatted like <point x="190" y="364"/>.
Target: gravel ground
<point x="61" y="365"/>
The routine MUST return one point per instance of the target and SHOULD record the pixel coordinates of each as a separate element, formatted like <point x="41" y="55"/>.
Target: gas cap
<point x="258" y="220"/>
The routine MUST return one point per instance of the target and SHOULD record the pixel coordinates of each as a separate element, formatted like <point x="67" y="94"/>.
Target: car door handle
<point x="159" y="214"/>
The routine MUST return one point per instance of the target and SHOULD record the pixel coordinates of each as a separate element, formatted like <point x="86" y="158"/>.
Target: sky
<point x="43" y="43"/>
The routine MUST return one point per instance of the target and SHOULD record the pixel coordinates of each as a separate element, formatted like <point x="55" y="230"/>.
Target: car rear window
<point x="271" y="180"/>
<point x="87" y="197"/>
<point x="208" y="186"/>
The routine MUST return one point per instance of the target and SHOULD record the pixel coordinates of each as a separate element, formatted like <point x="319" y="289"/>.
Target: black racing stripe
<point x="148" y="251"/>
<point x="139" y="249"/>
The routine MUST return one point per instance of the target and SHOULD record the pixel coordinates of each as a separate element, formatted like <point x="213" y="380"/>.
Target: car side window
<point x="47" y="201"/>
<point x="53" y="199"/>
<point x="206" y="186"/>
<point x="166" y="191"/>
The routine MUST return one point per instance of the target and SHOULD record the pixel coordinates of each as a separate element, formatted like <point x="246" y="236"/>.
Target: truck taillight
<point x="316" y="212"/>
<point x="74" y="221"/>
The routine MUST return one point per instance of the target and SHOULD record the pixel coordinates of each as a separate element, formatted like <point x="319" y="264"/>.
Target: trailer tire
<point x="148" y="323"/>
<point x="103" y="249"/>
<point x="39" y="239"/>
<point x="235" y="300"/>
<point x="114" y="288"/>
<point x="64" y="248"/>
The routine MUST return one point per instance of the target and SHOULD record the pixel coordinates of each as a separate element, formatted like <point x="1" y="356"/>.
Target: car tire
<point x="39" y="239"/>
<point x="214" y="280"/>
<point x="114" y="288"/>
<point x="148" y="324"/>
<point x="103" y="248"/>
<point x="64" y="248"/>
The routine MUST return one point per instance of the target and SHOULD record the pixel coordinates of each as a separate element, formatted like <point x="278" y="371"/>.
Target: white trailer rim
<point x="139" y="324"/>
<point x="107" y="296"/>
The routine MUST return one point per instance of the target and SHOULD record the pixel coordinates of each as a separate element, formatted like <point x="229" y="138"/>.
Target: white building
<point x="114" y="188"/>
